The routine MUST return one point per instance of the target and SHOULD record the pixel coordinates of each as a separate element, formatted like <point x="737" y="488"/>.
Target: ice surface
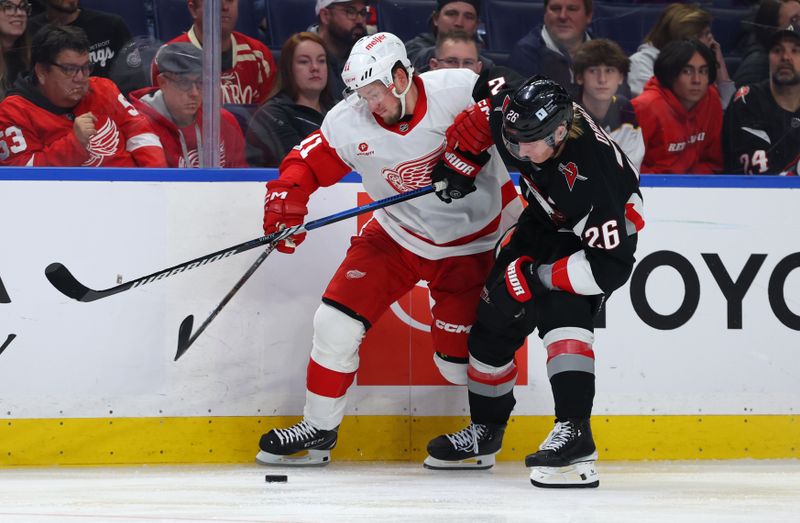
<point x="652" y="492"/>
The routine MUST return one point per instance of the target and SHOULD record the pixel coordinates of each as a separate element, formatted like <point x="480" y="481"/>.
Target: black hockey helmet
<point x="534" y="112"/>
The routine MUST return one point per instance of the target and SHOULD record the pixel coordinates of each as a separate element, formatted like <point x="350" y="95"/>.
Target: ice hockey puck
<point x="276" y="478"/>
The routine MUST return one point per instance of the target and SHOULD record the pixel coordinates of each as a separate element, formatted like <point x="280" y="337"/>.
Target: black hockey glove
<point x="454" y="176"/>
<point x="514" y="288"/>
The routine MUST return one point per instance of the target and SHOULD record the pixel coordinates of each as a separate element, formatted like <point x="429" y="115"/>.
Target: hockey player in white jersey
<point x="391" y="129"/>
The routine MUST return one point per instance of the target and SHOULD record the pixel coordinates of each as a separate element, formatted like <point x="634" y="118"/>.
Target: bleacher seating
<point x="727" y="26"/>
<point x="625" y="24"/>
<point x="172" y="18"/>
<point x="507" y="21"/>
<point x="134" y="13"/>
<point x="405" y="18"/>
<point x="286" y="17"/>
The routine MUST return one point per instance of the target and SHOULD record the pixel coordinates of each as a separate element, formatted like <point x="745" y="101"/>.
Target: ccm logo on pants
<point x="450" y="327"/>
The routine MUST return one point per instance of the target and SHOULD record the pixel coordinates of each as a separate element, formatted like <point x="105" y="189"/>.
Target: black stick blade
<point x="7" y="342"/>
<point x="63" y="280"/>
<point x="4" y="298"/>
<point x="184" y="336"/>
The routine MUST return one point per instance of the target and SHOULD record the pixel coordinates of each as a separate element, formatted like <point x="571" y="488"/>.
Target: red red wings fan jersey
<point x="252" y="75"/>
<point x="33" y="136"/>
<point x="181" y="144"/>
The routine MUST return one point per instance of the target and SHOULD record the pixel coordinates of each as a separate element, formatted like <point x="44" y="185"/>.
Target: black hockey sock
<point x="573" y="394"/>
<point x="491" y="411"/>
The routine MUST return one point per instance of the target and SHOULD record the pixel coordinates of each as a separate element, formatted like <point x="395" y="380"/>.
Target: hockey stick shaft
<point x="63" y="280"/>
<point x="185" y="335"/>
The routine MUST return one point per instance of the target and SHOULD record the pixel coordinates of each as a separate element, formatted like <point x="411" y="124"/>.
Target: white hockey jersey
<point x="399" y="158"/>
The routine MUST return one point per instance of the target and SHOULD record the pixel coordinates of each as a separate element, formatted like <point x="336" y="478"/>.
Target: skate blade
<point x="309" y="458"/>
<point x="578" y="475"/>
<point x="476" y="463"/>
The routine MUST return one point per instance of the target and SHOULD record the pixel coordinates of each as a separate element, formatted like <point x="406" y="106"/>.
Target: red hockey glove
<point x="285" y="206"/>
<point x="470" y="131"/>
<point x="515" y="288"/>
<point x="454" y="176"/>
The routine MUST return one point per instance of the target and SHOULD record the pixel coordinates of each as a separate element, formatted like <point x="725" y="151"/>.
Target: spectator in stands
<point x="341" y="24"/>
<point x="771" y="15"/>
<point x="549" y="49"/>
<point x="175" y="109"/>
<point x="15" y="38"/>
<point x="680" y="112"/>
<point x="58" y="116"/>
<point x="107" y="33"/>
<point x="762" y="125"/>
<point x="600" y="67"/>
<point x="449" y="16"/>
<point x="298" y="108"/>
<point x="248" y="67"/>
<point x="678" y="22"/>
<point x="455" y="50"/>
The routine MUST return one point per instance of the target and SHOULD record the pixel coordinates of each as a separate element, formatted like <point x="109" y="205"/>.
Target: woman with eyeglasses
<point x="298" y="108"/>
<point x="15" y="39"/>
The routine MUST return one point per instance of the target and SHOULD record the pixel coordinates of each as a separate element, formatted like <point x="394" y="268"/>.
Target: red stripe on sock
<point x="492" y="379"/>
<point x="326" y="382"/>
<point x="559" y="348"/>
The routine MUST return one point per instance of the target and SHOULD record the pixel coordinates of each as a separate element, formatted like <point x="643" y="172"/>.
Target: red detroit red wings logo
<point x="413" y="174"/>
<point x="741" y="93"/>
<point x="571" y="173"/>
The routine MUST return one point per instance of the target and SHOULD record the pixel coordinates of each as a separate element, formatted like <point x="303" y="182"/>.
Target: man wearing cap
<point x="341" y="24"/>
<point x="59" y="116"/>
<point x="448" y="17"/>
<point x="761" y="133"/>
<point x="175" y="109"/>
<point x="248" y="67"/>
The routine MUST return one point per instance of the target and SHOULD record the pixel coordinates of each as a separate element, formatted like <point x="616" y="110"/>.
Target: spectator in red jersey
<point x="341" y="24"/>
<point x="681" y="113"/>
<point x="15" y="38"/>
<point x="298" y="108"/>
<point x="176" y="113"/>
<point x="59" y="116"/>
<point x="248" y="67"/>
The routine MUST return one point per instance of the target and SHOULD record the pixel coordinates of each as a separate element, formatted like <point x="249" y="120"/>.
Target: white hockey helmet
<point x="373" y="58"/>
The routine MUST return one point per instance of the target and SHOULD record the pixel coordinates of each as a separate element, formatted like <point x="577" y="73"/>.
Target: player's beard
<point x="394" y="117"/>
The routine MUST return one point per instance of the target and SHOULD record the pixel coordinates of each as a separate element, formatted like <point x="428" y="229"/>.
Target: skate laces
<point x="559" y="436"/>
<point x="296" y="432"/>
<point x="467" y="438"/>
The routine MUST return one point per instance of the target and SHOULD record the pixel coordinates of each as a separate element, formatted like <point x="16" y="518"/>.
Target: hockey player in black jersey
<point x="573" y="245"/>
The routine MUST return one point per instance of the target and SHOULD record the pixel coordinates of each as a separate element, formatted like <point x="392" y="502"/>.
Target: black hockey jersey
<point x="759" y="137"/>
<point x="590" y="189"/>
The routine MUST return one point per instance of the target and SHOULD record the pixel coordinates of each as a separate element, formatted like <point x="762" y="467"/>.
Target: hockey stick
<point x="6" y="343"/>
<point x="63" y="280"/>
<point x="3" y="293"/>
<point x="185" y="336"/>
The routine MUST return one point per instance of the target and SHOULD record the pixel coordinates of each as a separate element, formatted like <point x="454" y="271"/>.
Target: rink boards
<point x="696" y="355"/>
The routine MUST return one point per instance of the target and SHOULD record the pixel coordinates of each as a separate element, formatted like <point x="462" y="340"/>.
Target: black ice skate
<point x="299" y="445"/>
<point x="473" y="447"/>
<point x="566" y="458"/>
